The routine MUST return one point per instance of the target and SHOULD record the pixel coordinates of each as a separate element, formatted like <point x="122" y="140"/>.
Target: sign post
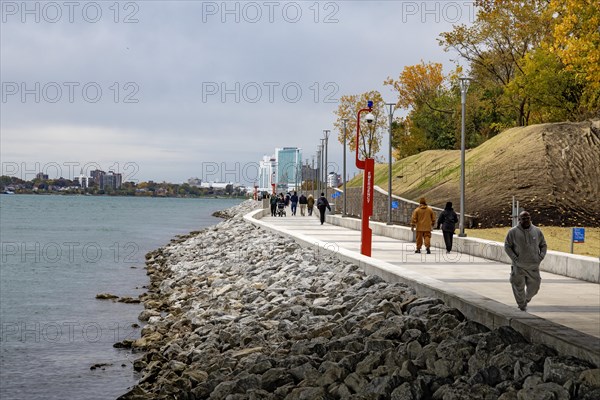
<point x="577" y="236"/>
<point x="368" y="165"/>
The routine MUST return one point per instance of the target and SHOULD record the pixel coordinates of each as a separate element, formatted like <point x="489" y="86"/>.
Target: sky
<point x="168" y="90"/>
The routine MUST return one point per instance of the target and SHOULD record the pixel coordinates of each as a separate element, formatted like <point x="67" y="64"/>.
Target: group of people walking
<point x="307" y="204"/>
<point x="525" y="244"/>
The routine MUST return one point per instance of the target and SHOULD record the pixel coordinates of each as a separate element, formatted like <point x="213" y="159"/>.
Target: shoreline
<point x="235" y="311"/>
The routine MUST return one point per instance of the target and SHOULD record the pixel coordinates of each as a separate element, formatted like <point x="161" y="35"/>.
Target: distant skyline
<point x="166" y="91"/>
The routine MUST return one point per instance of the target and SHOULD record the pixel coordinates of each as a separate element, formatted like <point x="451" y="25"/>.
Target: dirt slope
<point x="552" y="169"/>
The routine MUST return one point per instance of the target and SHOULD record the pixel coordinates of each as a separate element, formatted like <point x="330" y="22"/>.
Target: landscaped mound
<point x="551" y="169"/>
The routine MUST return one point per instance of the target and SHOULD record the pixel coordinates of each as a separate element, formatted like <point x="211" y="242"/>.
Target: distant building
<point x="42" y="176"/>
<point x="334" y="180"/>
<point x="289" y="168"/>
<point x="309" y="174"/>
<point x="111" y="181"/>
<point x="267" y="173"/>
<point x="97" y="176"/>
<point x="195" y="182"/>
<point x="82" y="179"/>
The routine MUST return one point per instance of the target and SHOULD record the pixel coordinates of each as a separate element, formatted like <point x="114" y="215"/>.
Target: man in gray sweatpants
<point x="526" y="247"/>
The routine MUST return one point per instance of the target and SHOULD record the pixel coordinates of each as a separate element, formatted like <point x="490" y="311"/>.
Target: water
<point x="58" y="252"/>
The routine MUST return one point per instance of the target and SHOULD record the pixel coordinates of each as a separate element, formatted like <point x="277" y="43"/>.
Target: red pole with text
<point x="368" y="165"/>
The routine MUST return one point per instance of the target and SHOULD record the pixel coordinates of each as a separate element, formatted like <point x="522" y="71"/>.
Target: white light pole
<point x="326" y="134"/>
<point x="389" y="213"/>
<point x="344" y="121"/>
<point x="318" y="176"/>
<point x="464" y="87"/>
<point x="322" y="162"/>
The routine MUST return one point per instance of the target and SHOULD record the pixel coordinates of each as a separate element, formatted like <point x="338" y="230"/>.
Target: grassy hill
<point x="552" y="170"/>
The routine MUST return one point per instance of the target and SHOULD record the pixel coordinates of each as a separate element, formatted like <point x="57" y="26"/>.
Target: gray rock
<point x="543" y="391"/>
<point x="561" y="369"/>
<point x="276" y="377"/>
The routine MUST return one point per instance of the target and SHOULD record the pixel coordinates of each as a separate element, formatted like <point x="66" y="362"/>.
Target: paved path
<point x="565" y="301"/>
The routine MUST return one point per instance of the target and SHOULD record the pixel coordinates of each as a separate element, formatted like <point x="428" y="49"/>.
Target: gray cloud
<point x="162" y="103"/>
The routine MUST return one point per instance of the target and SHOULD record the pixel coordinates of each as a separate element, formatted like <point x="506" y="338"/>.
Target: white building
<point x="334" y="180"/>
<point x="83" y="180"/>
<point x="267" y="174"/>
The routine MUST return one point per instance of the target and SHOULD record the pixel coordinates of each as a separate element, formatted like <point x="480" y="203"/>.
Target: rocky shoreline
<point x="237" y="312"/>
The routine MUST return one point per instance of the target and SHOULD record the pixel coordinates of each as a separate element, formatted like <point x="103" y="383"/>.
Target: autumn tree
<point x="576" y="41"/>
<point x="370" y="134"/>
<point x="496" y="46"/>
<point x="427" y="93"/>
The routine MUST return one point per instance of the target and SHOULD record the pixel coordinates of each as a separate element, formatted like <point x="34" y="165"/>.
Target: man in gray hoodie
<point x="526" y="247"/>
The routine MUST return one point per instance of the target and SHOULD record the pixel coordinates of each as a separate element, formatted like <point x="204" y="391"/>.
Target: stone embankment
<point x="236" y="312"/>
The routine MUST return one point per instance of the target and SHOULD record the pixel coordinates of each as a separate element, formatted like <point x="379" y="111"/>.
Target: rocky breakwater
<point x="237" y="312"/>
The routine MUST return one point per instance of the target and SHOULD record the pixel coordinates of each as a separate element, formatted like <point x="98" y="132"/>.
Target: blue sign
<point x="394" y="205"/>
<point x="335" y="195"/>
<point x="578" y="235"/>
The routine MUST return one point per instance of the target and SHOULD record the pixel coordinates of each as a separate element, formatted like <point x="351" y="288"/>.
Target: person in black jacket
<point x="447" y="221"/>
<point x="322" y="204"/>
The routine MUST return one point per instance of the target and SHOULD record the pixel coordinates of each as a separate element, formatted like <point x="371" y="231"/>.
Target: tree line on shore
<point x="147" y="189"/>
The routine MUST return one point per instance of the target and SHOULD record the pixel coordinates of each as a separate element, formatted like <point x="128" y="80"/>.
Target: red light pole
<point x="368" y="165"/>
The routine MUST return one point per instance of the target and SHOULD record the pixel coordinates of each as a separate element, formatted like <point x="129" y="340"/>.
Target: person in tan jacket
<point x="423" y="218"/>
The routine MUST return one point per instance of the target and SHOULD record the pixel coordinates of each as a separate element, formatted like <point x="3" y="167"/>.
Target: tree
<point x="496" y="46"/>
<point x="426" y="92"/>
<point x="407" y="141"/>
<point x="370" y="134"/>
<point x="419" y="85"/>
<point x="554" y="92"/>
<point x="576" y="41"/>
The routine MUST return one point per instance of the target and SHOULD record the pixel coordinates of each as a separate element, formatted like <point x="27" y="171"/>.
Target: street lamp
<point x="344" y="121"/>
<point x="464" y="87"/>
<point x="389" y="213"/>
<point x="322" y="163"/>
<point x="318" y="176"/>
<point x="326" y="134"/>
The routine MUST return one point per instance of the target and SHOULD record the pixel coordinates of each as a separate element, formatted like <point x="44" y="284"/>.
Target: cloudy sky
<point x="168" y="90"/>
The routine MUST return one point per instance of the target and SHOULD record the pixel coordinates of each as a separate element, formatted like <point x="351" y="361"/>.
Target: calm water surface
<point x="57" y="253"/>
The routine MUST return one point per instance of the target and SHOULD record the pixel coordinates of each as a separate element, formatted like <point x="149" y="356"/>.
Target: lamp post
<point x="344" y="121"/>
<point x="389" y="213"/>
<point x="322" y="163"/>
<point x="464" y="87"/>
<point x="326" y="134"/>
<point x="368" y="165"/>
<point x="318" y="176"/>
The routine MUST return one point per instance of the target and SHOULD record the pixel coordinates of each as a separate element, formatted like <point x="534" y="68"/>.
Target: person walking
<point x="447" y="221"/>
<point x="322" y="204"/>
<point x="294" y="201"/>
<point x="423" y="218"/>
<point x="310" y="203"/>
<point x="303" y="201"/>
<point x="273" y="202"/>
<point x="526" y="246"/>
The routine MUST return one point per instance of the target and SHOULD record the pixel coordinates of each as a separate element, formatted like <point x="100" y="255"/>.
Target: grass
<point x="558" y="239"/>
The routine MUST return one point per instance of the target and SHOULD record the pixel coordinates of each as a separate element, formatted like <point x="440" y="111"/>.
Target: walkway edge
<point x="488" y="312"/>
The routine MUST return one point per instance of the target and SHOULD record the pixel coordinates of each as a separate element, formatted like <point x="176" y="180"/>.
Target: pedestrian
<point x="273" y="202"/>
<point x="526" y="247"/>
<point x="303" y="201"/>
<point x="287" y="199"/>
<point x="310" y="202"/>
<point x="294" y="201"/>
<point x="322" y="204"/>
<point x="423" y="218"/>
<point x="447" y="221"/>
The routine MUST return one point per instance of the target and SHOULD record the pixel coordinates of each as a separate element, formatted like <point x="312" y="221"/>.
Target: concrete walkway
<point x="566" y="310"/>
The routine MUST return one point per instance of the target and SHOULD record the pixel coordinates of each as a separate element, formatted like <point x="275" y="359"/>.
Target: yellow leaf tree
<point x="576" y="41"/>
<point x="370" y="134"/>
